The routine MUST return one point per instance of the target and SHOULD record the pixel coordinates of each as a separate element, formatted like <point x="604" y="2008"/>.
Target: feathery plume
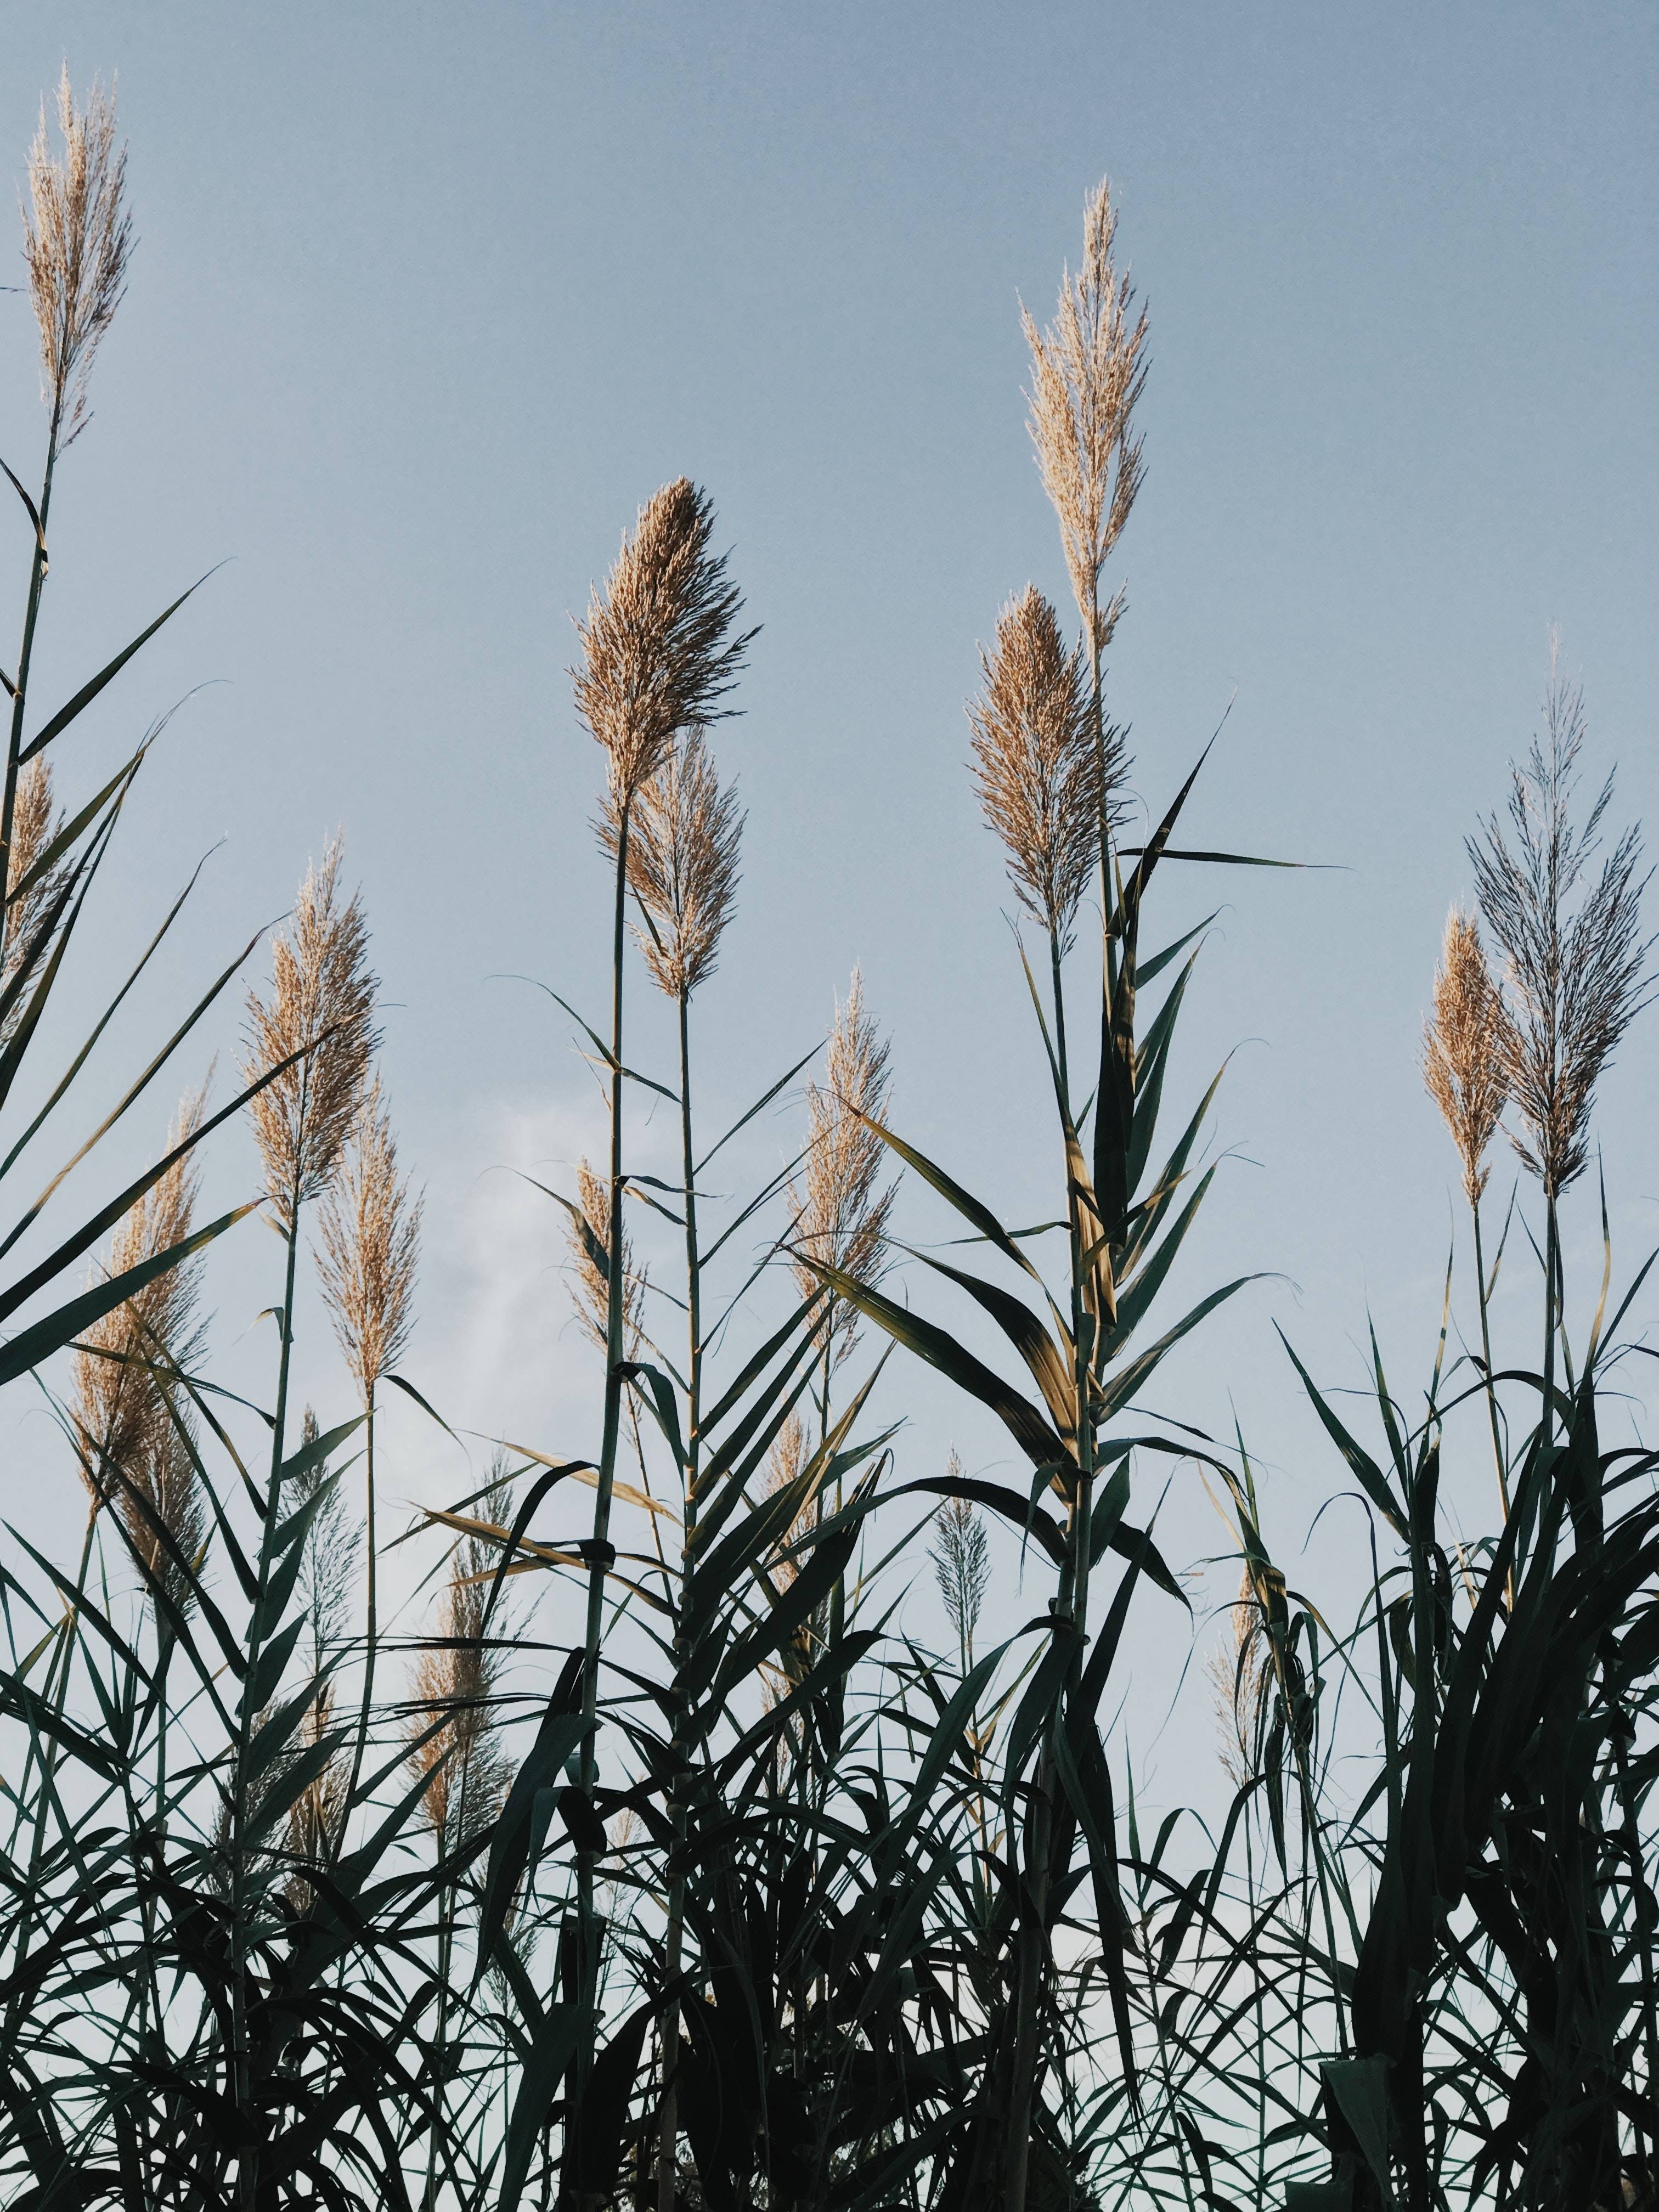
<point x="1036" y="762"/>
<point x="588" y="1291"/>
<point x="371" y="1233"/>
<point x="684" y="832"/>
<point x="658" y="654"/>
<point x="1086" y="375"/>
<point x="464" y="1763"/>
<point x="839" y="1210"/>
<point x="1238" y="1676"/>
<point x="1574" y="974"/>
<point x="784" y="1465"/>
<point x="328" y="1565"/>
<point x="322" y="1005"/>
<point x="1463" y="1049"/>
<point x="34" y="824"/>
<point x="127" y="1411"/>
<point x="962" y="1562"/>
<point x="77" y="241"/>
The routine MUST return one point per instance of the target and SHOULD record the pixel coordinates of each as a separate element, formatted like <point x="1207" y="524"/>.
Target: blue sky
<point x="427" y="299"/>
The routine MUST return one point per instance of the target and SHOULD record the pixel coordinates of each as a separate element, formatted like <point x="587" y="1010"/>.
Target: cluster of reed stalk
<point x="684" y="1875"/>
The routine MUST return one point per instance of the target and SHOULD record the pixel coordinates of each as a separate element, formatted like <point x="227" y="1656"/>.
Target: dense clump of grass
<point x="734" y="1895"/>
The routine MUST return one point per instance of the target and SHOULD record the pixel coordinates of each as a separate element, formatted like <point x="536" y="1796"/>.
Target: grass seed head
<point x="587" y="1290"/>
<point x="685" y="835"/>
<point x="321" y="1006"/>
<point x="1463" y="1056"/>
<point x="839" y="1208"/>
<point x="132" y="1421"/>
<point x="1036" y="764"/>
<point x="1575" y="958"/>
<point x="35" y="823"/>
<point x="371" y="1233"/>
<point x="1087" y="373"/>
<point x="77" y="241"/>
<point x="464" y="1763"/>
<point x="658" y="653"/>
<point x="961" y="1554"/>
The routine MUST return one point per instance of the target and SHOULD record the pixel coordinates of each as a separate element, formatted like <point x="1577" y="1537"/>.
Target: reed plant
<point x="689" y="1874"/>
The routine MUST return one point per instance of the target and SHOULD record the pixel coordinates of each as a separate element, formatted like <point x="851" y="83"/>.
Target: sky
<point x="426" y="300"/>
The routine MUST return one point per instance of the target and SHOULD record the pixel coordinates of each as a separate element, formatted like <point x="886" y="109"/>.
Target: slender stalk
<point x="668" y="2137"/>
<point x="25" y="656"/>
<point x="601" y="1556"/>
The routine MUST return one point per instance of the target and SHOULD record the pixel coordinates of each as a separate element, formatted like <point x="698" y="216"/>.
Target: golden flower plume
<point x="684" y="838"/>
<point x="321" y="1006"/>
<point x="77" y="240"/>
<point x="1087" y="373"/>
<point x="34" y="824"/>
<point x="839" y="1210"/>
<point x="658" y="654"/>
<point x="1463" y="1049"/>
<point x="1035" y="763"/>
<point x="463" y="1764"/>
<point x="371" y="1232"/>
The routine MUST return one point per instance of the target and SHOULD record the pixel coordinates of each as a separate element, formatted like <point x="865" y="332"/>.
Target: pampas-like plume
<point x="371" y="1232"/>
<point x="961" y="1563"/>
<point x="1036" y="762"/>
<point x="683" y="837"/>
<point x="1086" y="375"/>
<point x="1575" y="979"/>
<point x="77" y="240"/>
<point x="34" y="824"/>
<point x="322" y="1006"/>
<point x="587" y="1291"/>
<point x="1463" y="1049"/>
<point x="126" y="1411"/>
<point x="839" y="1210"/>
<point x="1238" y="1673"/>
<point x="463" y="1764"/>
<point x="658" y="654"/>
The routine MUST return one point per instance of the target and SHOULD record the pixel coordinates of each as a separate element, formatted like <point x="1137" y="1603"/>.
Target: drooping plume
<point x="464" y="1763"/>
<point x="1463" y="1049"/>
<point x="1036" y="764"/>
<point x="587" y="1290"/>
<point x="371" y="1232"/>
<point x="960" y="1554"/>
<point x="1574" y="954"/>
<point x="840" y="1207"/>
<point x="77" y="241"/>
<point x="658" y="651"/>
<point x="32" y="891"/>
<point x="133" y="1422"/>
<point x="1087" y="373"/>
<point x="321" y="1006"/>
<point x="684" y="840"/>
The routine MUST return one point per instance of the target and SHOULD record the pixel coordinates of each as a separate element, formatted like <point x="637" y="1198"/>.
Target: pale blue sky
<point x="428" y="298"/>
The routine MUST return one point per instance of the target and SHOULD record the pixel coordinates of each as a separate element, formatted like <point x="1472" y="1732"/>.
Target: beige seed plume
<point x="1463" y="1049"/>
<point x="683" y="837"/>
<point x="371" y="1233"/>
<point x="1036" y="764"/>
<point x="1239" y="1681"/>
<point x="34" y="824"/>
<point x="658" y="654"/>
<point x="587" y="1289"/>
<point x="455" y="1680"/>
<point x="126" y="1412"/>
<point x="839" y="1209"/>
<point x="321" y="1005"/>
<point x="77" y="240"/>
<point x="1087" y="373"/>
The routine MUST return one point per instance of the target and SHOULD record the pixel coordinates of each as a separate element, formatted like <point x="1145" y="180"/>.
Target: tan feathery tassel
<point x="77" y="241"/>
<point x="839" y="1208"/>
<point x="1463" y="1049"/>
